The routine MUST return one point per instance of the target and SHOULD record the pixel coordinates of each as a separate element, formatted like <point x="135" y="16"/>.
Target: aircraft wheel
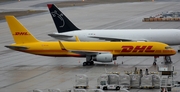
<point x="117" y="88"/>
<point x="104" y="88"/>
<point x="84" y="63"/>
<point x="154" y="63"/>
<point x="88" y="63"/>
<point x="92" y="62"/>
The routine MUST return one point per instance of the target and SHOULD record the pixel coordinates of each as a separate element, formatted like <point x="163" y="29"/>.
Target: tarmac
<point x="22" y="72"/>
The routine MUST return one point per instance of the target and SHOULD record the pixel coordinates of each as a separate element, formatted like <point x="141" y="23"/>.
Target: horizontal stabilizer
<point x="17" y="47"/>
<point x="58" y="35"/>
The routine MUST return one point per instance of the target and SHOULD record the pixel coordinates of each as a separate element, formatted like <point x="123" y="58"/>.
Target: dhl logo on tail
<point x="21" y="33"/>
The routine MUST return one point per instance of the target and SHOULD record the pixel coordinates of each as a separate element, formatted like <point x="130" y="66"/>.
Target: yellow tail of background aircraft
<point x="93" y="51"/>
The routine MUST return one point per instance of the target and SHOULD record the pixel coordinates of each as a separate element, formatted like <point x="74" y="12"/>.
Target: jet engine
<point x="105" y="57"/>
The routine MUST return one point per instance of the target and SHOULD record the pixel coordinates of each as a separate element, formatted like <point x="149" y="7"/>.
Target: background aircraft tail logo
<point x="62" y="23"/>
<point x="59" y="16"/>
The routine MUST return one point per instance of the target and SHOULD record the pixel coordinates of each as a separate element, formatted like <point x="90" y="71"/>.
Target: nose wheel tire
<point x="117" y="88"/>
<point x="154" y="63"/>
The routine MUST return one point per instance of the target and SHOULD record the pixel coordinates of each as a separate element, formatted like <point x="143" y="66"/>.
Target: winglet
<point x="77" y="39"/>
<point x="62" y="46"/>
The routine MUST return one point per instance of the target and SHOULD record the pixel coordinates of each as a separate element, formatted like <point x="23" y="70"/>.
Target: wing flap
<point x="83" y="52"/>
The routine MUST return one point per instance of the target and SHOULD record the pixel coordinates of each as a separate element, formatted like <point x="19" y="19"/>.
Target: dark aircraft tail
<point x="63" y="24"/>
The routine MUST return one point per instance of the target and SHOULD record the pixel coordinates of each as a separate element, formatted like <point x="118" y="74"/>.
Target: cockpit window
<point x="168" y="47"/>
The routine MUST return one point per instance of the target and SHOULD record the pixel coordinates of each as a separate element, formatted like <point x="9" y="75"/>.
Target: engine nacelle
<point x="105" y="57"/>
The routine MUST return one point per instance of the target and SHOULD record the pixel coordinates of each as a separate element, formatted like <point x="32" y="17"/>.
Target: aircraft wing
<point x="116" y="39"/>
<point x="17" y="47"/>
<point x="59" y="35"/>
<point x="82" y="52"/>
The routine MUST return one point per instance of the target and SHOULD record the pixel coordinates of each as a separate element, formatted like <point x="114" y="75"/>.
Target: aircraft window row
<point x="91" y="33"/>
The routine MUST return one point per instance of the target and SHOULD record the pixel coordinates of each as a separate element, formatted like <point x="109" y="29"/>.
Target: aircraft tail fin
<point x="19" y="32"/>
<point x="63" y="24"/>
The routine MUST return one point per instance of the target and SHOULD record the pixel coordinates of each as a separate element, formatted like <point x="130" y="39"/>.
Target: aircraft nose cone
<point x="173" y="52"/>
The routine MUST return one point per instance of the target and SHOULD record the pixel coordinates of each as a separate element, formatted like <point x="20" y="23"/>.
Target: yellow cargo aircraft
<point x="93" y="51"/>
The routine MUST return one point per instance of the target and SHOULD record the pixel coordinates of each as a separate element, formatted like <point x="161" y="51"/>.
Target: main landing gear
<point x="89" y="61"/>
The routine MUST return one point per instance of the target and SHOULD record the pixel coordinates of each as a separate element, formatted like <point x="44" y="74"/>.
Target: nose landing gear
<point x="155" y="60"/>
<point x="167" y="60"/>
